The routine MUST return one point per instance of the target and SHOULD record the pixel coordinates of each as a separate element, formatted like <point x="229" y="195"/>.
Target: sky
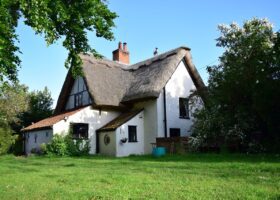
<point x="144" y="25"/>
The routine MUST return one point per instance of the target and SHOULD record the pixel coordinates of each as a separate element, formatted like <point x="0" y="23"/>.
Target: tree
<point x="54" y="19"/>
<point x="243" y="89"/>
<point x="40" y="107"/>
<point x="13" y="100"/>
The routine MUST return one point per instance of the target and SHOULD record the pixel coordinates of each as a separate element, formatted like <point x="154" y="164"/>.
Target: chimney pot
<point x="120" y="45"/>
<point x="121" y="54"/>
<point x="125" y="47"/>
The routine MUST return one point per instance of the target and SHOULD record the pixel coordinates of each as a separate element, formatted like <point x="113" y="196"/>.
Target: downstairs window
<point x="132" y="134"/>
<point x="80" y="131"/>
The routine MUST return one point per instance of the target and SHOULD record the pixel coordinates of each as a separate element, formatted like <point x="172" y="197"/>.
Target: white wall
<point x="131" y="148"/>
<point x="179" y="85"/>
<point x="78" y="86"/>
<point x="160" y="114"/>
<point x="93" y="117"/>
<point x="109" y="149"/>
<point x="150" y="123"/>
<point x="41" y="138"/>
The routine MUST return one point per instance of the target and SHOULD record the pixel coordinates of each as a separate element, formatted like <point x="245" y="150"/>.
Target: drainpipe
<point x="164" y="113"/>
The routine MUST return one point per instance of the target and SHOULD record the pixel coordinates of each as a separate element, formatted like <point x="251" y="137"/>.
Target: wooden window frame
<point x="132" y="139"/>
<point x="184" y="111"/>
<point x="78" y="100"/>
<point x="75" y="127"/>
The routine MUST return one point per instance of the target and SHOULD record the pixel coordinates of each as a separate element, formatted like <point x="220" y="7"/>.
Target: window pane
<point x="132" y="134"/>
<point x="184" y="107"/>
<point x="80" y="131"/>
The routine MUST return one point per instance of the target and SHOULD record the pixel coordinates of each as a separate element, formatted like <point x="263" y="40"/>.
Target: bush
<point x="57" y="146"/>
<point x="77" y="147"/>
<point x="43" y="149"/>
<point x="65" y="145"/>
<point x="7" y="139"/>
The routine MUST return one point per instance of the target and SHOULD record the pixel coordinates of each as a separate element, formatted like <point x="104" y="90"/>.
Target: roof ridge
<point x="156" y="58"/>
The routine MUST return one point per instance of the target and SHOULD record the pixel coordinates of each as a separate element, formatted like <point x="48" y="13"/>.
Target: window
<point x="47" y="134"/>
<point x="184" y="108"/>
<point x="35" y="138"/>
<point x="78" y="100"/>
<point x="175" y="132"/>
<point x="132" y="134"/>
<point x="80" y="131"/>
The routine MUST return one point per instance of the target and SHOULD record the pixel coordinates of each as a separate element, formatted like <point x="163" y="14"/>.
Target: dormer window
<point x="78" y="100"/>
<point x="79" y="95"/>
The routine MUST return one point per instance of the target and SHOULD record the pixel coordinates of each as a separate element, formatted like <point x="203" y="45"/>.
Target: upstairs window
<point x="132" y="134"/>
<point x="78" y="100"/>
<point x="184" y="108"/>
<point x="80" y="131"/>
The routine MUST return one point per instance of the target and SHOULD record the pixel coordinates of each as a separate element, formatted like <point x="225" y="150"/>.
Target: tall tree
<point x="54" y="19"/>
<point x="40" y="107"/>
<point x="13" y="100"/>
<point x="243" y="100"/>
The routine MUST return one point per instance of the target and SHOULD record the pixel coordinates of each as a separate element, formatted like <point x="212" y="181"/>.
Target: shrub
<point x="43" y="149"/>
<point x="34" y="151"/>
<point x="6" y="139"/>
<point x="57" y="146"/>
<point x="66" y="145"/>
<point x="77" y="147"/>
<point x="194" y="143"/>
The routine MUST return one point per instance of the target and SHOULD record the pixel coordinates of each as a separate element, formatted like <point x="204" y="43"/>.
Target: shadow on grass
<point x="191" y="157"/>
<point x="209" y="158"/>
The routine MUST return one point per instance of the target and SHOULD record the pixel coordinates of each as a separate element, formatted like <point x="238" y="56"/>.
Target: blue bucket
<point x="159" y="151"/>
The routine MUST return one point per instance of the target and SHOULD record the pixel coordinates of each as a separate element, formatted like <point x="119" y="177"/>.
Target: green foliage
<point x="43" y="149"/>
<point x="54" y="19"/>
<point x="66" y="145"/>
<point x="13" y="100"/>
<point x="6" y="138"/>
<point x="19" y="108"/>
<point x="40" y="107"/>
<point x="243" y="90"/>
<point x="77" y="147"/>
<point x="57" y="146"/>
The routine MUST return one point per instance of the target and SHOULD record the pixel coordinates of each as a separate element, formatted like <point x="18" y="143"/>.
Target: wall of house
<point x="150" y="123"/>
<point x="110" y="148"/>
<point x="79" y="86"/>
<point x="179" y="85"/>
<point x="131" y="148"/>
<point x="95" y="118"/>
<point x="43" y="136"/>
<point x="160" y="114"/>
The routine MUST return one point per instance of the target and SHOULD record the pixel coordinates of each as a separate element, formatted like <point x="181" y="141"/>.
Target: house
<point x="123" y="108"/>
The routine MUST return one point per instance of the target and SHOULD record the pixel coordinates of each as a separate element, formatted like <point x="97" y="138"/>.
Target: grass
<point x="193" y="176"/>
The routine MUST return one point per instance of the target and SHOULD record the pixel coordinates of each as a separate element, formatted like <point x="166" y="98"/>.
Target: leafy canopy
<point x="40" y="107"/>
<point x="243" y="89"/>
<point x="54" y="19"/>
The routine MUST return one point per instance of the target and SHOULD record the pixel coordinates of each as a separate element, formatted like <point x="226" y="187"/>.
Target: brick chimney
<point x="121" y="54"/>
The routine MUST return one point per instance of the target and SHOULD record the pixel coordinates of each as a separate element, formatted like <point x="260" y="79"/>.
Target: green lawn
<point x="194" y="176"/>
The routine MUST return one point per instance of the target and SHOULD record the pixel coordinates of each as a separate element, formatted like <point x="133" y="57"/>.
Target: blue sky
<point x="144" y="25"/>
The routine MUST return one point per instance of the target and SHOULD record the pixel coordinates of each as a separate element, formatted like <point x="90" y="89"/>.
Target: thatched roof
<point x="113" y="84"/>
<point x="120" y="120"/>
<point x="50" y="121"/>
